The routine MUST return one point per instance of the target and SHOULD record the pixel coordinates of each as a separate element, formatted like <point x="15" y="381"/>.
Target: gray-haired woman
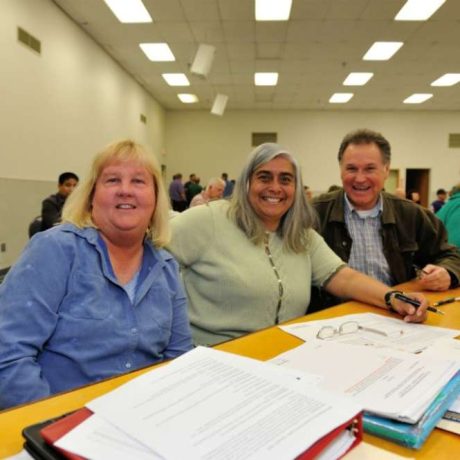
<point x="250" y="263"/>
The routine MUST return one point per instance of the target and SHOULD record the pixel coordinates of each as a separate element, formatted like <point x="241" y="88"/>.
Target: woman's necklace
<point x="275" y="271"/>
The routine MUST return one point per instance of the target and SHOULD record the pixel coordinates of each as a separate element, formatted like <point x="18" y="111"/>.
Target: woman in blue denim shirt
<point x="95" y="296"/>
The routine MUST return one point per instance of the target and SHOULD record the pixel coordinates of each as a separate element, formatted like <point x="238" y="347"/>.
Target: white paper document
<point x="377" y="331"/>
<point x="386" y="382"/>
<point x="210" y="404"/>
<point x="99" y="440"/>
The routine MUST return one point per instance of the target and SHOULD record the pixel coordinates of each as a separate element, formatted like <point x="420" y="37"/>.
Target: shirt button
<point x="134" y="330"/>
<point x="128" y="365"/>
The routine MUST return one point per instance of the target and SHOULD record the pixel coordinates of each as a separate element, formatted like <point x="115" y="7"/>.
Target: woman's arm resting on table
<point x="350" y="284"/>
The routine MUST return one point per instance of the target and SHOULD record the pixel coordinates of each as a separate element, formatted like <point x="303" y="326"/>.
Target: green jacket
<point x="411" y="235"/>
<point x="450" y="216"/>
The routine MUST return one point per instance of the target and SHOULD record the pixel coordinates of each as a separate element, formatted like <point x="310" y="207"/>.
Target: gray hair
<point x="366" y="136"/>
<point x="215" y="181"/>
<point x="297" y="220"/>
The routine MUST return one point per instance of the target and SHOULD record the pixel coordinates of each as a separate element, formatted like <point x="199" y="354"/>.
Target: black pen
<point x="416" y="303"/>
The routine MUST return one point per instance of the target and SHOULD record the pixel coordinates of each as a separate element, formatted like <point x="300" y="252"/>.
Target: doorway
<point x="419" y="180"/>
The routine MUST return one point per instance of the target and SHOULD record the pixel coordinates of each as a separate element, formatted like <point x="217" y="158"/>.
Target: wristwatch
<point x="388" y="296"/>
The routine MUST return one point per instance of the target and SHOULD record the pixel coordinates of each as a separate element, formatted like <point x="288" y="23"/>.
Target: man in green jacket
<point x="386" y="237"/>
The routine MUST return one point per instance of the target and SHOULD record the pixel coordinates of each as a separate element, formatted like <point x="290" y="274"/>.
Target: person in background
<point x="52" y="206"/>
<point x="228" y="190"/>
<point x="191" y="178"/>
<point x="377" y="233"/>
<point x="449" y="214"/>
<point x="249" y="262"/>
<point x="308" y="192"/>
<point x="97" y="295"/>
<point x="413" y="196"/>
<point x="177" y="194"/>
<point x="441" y="197"/>
<point x="214" y="191"/>
<point x="194" y="189"/>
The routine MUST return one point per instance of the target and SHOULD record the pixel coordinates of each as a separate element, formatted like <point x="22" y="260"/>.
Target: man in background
<point x="377" y="233"/>
<point x="213" y="191"/>
<point x="177" y="193"/>
<point x="52" y="206"/>
<point x="441" y="197"/>
<point x="228" y="190"/>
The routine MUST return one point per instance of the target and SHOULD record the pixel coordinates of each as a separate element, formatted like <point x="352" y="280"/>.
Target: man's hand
<point x="434" y="278"/>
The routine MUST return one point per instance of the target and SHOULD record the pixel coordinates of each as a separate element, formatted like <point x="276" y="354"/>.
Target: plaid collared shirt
<point x="367" y="249"/>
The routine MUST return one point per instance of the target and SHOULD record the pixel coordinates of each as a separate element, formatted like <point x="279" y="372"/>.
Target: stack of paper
<point x="209" y="404"/>
<point x="386" y="382"/>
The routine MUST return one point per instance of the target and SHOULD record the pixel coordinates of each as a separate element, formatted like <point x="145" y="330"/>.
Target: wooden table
<point x="261" y="345"/>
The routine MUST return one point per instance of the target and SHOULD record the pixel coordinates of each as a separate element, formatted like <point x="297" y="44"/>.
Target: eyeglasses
<point x="349" y="327"/>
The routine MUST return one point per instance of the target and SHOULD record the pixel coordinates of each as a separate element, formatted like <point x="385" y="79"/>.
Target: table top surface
<point x="262" y="345"/>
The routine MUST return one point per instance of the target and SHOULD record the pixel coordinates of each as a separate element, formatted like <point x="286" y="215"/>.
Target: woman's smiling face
<point x="271" y="191"/>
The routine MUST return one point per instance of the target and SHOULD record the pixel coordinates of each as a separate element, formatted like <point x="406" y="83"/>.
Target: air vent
<point x="29" y="40"/>
<point x="260" y="138"/>
<point x="143" y="118"/>
<point x="454" y="141"/>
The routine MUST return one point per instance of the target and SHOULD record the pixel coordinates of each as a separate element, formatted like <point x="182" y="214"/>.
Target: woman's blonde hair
<point x="78" y="206"/>
<point x="297" y="220"/>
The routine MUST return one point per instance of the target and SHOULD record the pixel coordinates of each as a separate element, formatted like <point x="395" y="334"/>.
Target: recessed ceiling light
<point x="176" y="79"/>
<point x="418" y="10"/>
<point x="340" y="98"/>
<point x="273" y="10"/>
<point x="382" y="51"/>
<point x="159" y="52"/>
<point x="358" y="78"/>
<point x="417" y="98"/>
<point x="448" y="79"/>
<point x="266" y="78"/>
<point x="133" y="11"/>
<point x="187" y="98"/>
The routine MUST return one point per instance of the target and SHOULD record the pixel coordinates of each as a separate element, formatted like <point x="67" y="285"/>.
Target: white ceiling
<point x="314" y="51"/>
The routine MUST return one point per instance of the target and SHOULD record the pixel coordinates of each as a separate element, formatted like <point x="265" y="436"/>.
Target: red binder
<point x="56" y="430"/>
<point x="355" y="425"/>
<point x="59" y="428"/>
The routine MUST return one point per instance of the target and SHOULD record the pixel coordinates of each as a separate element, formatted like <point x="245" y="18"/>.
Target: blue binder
<point x="414" y="435"/>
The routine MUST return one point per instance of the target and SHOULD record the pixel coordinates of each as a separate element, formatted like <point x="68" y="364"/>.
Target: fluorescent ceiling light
<point x="382" y="51"/>
<point x="157" y="51"/>
<point x="340" y="98"/>
<point x="132" y="11"/>
<point x="358" y="78"/>
<point x="176" y="79"/>
<point x="218" y="107"/>
<point x="448" y="79"/>
<point x="187" y="98"/>
<point x="273" y="10"/>
<point x="266" y="78"/>
<point x="417" y="98"/>
<point x="418" y="10"/>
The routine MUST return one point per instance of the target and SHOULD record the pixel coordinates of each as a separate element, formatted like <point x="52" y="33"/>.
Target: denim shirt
<point x="66" y="321"/>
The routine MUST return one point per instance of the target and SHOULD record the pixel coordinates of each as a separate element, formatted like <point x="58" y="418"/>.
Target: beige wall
<point x="57" y="109"/>
<point x="207" y="145"/>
